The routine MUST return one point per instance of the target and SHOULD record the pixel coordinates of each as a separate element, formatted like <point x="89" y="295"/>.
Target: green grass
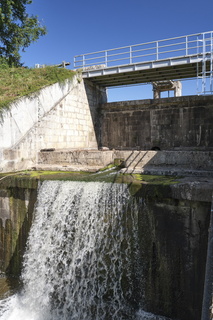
<point x="156" y="179"/>
<point x="19" y="82"/>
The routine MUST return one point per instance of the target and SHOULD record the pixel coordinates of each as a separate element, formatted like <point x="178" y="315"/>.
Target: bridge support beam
<point x="161" y="86"/>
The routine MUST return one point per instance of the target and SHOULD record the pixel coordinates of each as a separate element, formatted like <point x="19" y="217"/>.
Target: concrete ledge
<point x="169" y="171"/>
<point x="159" y="103"/>
<point x="76" y="158"/>
<point x="70" y="168"/>
<point x="195" y="163"/>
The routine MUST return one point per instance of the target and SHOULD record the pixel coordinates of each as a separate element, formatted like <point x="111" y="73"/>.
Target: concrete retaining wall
<point x="169" y="124"/>
<point x="16" y="215"/>
<point x="59" y="116"/>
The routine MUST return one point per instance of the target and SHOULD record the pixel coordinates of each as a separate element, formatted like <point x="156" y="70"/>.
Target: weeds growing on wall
<point x="19" y="82"/>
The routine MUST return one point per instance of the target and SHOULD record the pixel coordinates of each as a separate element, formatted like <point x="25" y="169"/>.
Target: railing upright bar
<point x="187" y="45"/>
<point x="130" y="54"/>
<point x="106" y="61"/>
<point x="157" y="51"/>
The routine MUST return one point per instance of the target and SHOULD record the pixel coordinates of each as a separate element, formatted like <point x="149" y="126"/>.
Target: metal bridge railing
<point x="194" y="44"/>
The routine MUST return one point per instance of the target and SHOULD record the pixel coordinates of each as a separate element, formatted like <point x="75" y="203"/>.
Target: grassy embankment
<point x="19" y="82"/>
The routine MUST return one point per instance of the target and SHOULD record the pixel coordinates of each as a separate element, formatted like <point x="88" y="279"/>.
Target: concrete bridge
<point x="184" y="57"/>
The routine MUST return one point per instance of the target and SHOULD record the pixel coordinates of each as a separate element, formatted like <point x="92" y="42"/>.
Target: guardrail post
<point x="83" y="61"/>
<point x="106" y="59"/>
<point x="130" y="54"/>
<point x="186" y="45"/>
<point x="157" y="52"/>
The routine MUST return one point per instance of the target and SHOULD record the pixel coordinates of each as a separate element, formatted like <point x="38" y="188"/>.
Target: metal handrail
<point x="198" y="43"/>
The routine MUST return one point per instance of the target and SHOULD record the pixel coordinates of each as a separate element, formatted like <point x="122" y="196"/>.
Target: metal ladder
<point x="205" y="72"/>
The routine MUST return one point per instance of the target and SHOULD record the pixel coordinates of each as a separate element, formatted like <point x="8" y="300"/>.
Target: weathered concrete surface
<point x="207" y="308"/>
<point x="169" y="124"/>
<point x="172" y="246"/>
<point x="16" y="214"/>
<point x="197" y="163"/>
<point x="77" y="160"/>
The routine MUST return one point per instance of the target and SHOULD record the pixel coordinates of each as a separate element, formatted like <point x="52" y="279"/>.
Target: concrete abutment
<point x="60" y="116"/>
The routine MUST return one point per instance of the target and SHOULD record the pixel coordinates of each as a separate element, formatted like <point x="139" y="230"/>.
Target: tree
<point x="17" y="29"/>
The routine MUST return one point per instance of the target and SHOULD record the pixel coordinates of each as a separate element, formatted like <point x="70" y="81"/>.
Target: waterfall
<point x="81" y="261"/>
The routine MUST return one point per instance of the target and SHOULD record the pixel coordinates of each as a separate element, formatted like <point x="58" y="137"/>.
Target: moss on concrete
<point x="103" y="174"/>
<point x="142" y="185"/>
<point x="156" y="179"/>
<point x="15" y="226"/>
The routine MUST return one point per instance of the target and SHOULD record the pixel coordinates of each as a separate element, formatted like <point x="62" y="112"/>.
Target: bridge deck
<point x="170" y="59"/>
<point x="170" y="69"/>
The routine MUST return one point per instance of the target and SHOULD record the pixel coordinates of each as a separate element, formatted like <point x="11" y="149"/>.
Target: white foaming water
<point x="78" y="262"/>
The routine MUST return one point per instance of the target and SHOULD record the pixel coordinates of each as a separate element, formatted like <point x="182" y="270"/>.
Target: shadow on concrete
<point x="186" y="163"/>
<point x="15" y="263"/>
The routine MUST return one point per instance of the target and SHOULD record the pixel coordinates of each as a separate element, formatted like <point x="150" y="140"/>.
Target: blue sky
<point x="76" y="27"/>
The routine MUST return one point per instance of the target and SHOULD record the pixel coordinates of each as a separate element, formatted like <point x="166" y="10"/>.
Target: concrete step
<point x="187" y="160"/>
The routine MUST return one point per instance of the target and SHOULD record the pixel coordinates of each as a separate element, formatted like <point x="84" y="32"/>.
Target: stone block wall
<point x="169" y="124"/>
<point x="58" y="117"/>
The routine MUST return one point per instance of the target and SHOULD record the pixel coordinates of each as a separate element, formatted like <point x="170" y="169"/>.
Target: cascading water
<point x="81" y="261"/>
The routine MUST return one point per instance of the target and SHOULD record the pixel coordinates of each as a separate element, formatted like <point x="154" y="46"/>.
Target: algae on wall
<point x="173" y="237"/>
<point x="16" y="207"/>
